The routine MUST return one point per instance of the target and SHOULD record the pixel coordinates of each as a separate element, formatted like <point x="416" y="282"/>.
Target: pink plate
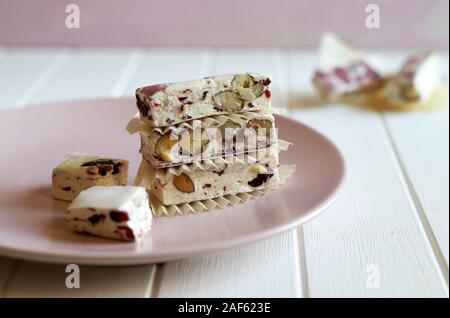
<point x="32" y="226"/>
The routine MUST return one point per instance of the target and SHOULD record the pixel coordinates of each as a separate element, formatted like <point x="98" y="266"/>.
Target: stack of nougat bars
<point x="207" y="138"/>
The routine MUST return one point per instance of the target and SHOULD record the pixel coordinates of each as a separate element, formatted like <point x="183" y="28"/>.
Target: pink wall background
<point x="404" y="23"/>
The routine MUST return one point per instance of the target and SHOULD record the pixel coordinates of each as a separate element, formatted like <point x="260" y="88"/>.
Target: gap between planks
<point x="157" y="280"/>
<point x="300" y="256"/>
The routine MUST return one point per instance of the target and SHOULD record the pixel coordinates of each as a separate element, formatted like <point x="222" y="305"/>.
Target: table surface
<point x="387" y="235"/>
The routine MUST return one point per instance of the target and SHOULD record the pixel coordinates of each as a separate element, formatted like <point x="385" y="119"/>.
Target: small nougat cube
<point x="117" y="212"/>
<point x="80" y="172"/>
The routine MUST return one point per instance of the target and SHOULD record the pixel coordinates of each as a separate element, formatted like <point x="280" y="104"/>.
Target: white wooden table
<point x="391" y="221"/>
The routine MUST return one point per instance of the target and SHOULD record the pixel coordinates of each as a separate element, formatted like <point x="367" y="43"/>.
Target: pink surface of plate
<point x="32" y="226"/>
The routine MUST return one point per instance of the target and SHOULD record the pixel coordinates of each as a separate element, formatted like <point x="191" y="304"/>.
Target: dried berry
<point x="119" y="216"/>
<point x="152" y="89"/>
<point x="116" y="167"/>
<point x="183" y="183"/>
<point x="98" y="162"/>
<point x="260" y="179"/>
<point x="127" y="231"/>
<point x="102" y="167"/>
<point x="266" y="81"/>
<point x="142" y="107"/>
<point x="96" y="218"/>
<point x="66" y="188"/>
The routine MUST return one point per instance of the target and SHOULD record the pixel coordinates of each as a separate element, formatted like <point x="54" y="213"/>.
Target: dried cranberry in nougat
<point x="80" y="172"/>
<point x="115" y="212"/>
<point x="170" y="104"/>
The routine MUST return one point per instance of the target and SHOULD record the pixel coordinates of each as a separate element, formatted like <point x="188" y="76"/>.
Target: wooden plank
<point x="25" y="71"/>
<point x="256" y="270"/>
<point x="43" y="280"/>
<point x="372" y="230"/>
<point x="265" y="269"/>
<point x="92" y="73"/>
<point x="168" y="65"/>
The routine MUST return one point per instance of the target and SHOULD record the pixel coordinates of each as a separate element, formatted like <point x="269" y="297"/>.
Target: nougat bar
<point x="193" y="184"/>
<point x="80" y="172"/>
<point x="169" y="104"/>
<point x="117" y="212"/>
<point x="209" y="138"/>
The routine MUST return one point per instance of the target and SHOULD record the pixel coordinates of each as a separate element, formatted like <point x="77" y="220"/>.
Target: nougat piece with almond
<point x="209" y="138"/>
<point x="80" y="172"/>
<point x="164" y="105"/>
<point x="193" y="182"/>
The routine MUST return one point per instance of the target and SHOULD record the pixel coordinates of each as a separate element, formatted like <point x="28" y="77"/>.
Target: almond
<point x="246" y="86"/>
<point x="164" y="147"/>
<point x="258" y="168"/>
<point x="256" y="124"/>
<point x="228" y="100"/>
<point x="183" y="183"/>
